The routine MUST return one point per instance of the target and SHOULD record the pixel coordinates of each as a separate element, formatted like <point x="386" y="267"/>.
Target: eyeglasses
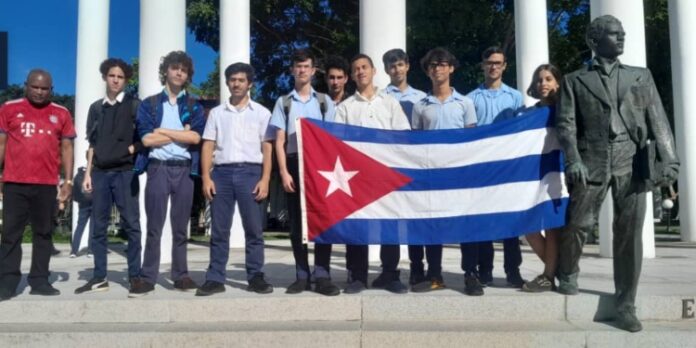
<point x="495" y="64"/>
<point x="435" y="65"/>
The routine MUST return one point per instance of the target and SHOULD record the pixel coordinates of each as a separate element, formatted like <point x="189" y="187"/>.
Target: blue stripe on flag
<point x="537" y="118"/>
<point x="471" y="228"/>
<point x="527" y="168"/>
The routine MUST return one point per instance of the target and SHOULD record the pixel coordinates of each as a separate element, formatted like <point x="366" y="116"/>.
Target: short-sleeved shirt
<point x="298" y="108"/>
<point x="382" y="111"/>
<point x="494" y="105"/>
<point x="173" y="150"/>
<point x="407" y="98"/>
<point x="238" y="134"/>
<point x="32" y="148"/>
<point x="457" y="111"/>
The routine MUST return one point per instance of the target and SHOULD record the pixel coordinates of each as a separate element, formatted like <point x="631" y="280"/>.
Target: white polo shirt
<point x="382" y="111"/>
<point x="238" y="134"/>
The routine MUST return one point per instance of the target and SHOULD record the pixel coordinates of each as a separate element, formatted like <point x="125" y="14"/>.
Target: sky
<point x="43" y="34"/>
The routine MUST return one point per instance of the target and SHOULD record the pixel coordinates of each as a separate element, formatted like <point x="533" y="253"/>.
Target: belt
<point x="292" y="155"/>
<point x="171" y="163"/>
<point x="239" y="164"/>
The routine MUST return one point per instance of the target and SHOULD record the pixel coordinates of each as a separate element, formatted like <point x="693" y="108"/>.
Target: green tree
<point x="277" y="28"/>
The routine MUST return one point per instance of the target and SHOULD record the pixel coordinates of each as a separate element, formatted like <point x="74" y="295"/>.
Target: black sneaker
<point x="185" y="284"/>
<point x="428" y="285"/>
<point x="472" y="285"/>
<point x="44" y="290"/>
<point x="94" y="285"/>
<point x="139" y="288"/>
<point x="6" y="294"/>
<point x="515" y="280"/>
<point x="355" y="287"/>
<point x="298" y="286"/>
<point x="485" y="278"/>
<point x="259" y="285"/>
<point x="539" y="284"/>
<point x="210" y="287"/>
<point x="324" y="286"/>
<point x="396" y="287"/>
<point x="382" y="280"/>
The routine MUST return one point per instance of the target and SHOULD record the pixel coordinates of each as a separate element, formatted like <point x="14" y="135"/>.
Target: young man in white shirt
<point x="372" y="108"/>
<point x="236" y="168"/>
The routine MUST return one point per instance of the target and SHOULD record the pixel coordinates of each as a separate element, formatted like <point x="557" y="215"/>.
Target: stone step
<point x="336" y="334"/>
<point x="376" y="305"/>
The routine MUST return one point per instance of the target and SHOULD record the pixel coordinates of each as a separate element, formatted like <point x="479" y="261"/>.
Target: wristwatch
<point x="69" y="182"/>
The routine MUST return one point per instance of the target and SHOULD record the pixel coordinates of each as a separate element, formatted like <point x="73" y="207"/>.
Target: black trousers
<point x="22" y="204"/>
<point x="357" y="261"/>
<point x="322" y="252"/>
<point x="511" y="252"/>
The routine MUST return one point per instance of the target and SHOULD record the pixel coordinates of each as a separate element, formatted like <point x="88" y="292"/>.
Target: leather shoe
<point x="259" y="285"/>
<point x="298" y="286"/>
<point x="324" y="286"/>
<point x="44" y="290"/>
<point x="355" y="287"/>
<point x="210" y="287"/>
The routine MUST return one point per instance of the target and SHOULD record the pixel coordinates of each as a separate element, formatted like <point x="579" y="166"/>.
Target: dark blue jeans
<point x="512" y="256"/>
<point x="120" y="188"/>
<point x="164" y="182"/>
<point x="235" y="184"/>
<point x="83" y="216"/>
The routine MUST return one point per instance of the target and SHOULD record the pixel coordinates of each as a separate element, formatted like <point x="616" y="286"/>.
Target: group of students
<point x="167" y="136"/>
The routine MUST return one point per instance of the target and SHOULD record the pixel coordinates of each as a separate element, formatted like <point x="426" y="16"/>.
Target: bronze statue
<point x="615" y="134"/>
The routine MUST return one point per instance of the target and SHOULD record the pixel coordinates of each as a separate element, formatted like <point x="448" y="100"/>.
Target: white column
<point x="681" y="26"/>
<point x="162" y="30"/>
<point x="382" y="27"/>
<point x="92" y="49"/>
<point x="531" y="41"/>
<point x="235" y="46"/>
<point x="631" y="15"/>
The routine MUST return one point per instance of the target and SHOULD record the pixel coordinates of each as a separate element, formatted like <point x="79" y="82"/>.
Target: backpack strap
<point x="321" y="97"/>
<point x="287" y="104"/>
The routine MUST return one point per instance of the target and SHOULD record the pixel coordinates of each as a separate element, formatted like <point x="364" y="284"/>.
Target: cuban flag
<point x="371" y="186"/>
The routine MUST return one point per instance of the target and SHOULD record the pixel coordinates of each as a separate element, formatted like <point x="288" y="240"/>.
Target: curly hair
<point x="176" y="58"/>
<point x="109" y="63"/>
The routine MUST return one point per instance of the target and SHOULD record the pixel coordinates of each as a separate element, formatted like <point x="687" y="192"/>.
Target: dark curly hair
<point x="176" y="58"/>
<point x="109" y="63"/>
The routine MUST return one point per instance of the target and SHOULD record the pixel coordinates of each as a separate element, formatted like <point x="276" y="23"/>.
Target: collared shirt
<point x="119" y="99"/>
<point x="407" y="98"/>
<point x="171" y="120"/>
<point x="494" y="105"/>
<point x="238" y="134"/>
<point x="457" y="111"/>
<point x="298" y="108"/>
<point x="382" y="111"/>
<point x="609" y="75"/>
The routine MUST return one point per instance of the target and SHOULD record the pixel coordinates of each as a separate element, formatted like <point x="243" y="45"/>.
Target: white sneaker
<point x="72" y="256"/>
<point x="89" y="255"/>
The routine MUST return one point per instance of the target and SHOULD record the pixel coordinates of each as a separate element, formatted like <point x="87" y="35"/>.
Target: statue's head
<point x="605" y="36"/>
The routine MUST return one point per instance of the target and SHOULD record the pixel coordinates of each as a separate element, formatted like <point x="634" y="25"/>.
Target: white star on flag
<point x="338" y="178"/>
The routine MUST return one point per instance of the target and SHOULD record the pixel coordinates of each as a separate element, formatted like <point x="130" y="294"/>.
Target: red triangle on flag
<point x="338" y="179"/>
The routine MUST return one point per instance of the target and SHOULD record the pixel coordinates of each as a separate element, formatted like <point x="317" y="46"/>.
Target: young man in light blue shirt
<point x="236" y="168"/>
<point x="302" y="101"/>
<point x="396" y="66"/>
<point x="170" y="125"/>
<point x="443" y="108"/>
<point x="495" y="102"/>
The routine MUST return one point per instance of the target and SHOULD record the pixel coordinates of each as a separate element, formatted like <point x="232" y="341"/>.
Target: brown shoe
<point x="185" y="284"/>
<point x="139" y="287"/>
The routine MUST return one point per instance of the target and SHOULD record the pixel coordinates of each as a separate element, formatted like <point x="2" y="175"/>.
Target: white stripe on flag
<point x="509" y="197"/>
<point x="531" y="142"/>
